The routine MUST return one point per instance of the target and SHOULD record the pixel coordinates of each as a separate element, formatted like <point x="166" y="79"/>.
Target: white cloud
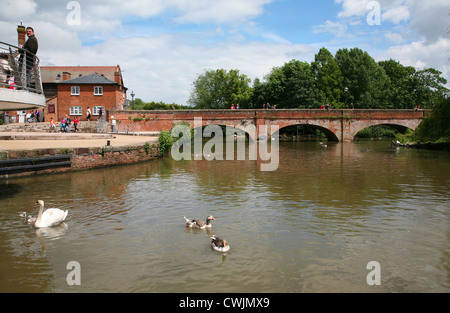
<point x="336" y="28"/>
<point x="160" y="64"/>
<point x="352" y="8"/>
<point x="16" y="10"/>
<point x="394" y="37"/>
<point x="430" y="18"/>
<point x="396" y="15"/>
<point x="218" y="11"/>
<point x="421" y="54"/>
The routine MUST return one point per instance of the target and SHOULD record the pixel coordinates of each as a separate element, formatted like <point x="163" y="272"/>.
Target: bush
<point x="436" y="127"/>
<point x="377" y="132"/>
<point x="165" y="142"/>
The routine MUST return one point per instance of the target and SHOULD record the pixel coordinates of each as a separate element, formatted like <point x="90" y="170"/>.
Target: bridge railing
<point x="19" y="69"/>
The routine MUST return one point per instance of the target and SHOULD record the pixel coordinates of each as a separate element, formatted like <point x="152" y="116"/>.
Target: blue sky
<point x="163" y="45"/>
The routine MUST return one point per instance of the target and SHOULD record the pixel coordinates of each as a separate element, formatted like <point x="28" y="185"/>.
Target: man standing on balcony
<point x="31" y="45"/>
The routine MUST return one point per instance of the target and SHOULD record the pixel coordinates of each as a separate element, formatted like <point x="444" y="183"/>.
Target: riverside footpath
<point x="24" y="146"/>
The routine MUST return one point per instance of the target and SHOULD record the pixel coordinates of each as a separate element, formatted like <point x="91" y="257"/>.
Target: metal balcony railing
<point x="19" y="69"/>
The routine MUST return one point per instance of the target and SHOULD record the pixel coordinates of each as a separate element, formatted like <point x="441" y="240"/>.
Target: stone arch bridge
<point x="338" y="125"/>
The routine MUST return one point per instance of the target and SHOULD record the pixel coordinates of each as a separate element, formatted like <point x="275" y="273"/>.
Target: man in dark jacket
<point x="31" y="45"/>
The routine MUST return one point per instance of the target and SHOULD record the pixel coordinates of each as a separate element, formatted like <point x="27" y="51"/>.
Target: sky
<point x="162" y="46"/>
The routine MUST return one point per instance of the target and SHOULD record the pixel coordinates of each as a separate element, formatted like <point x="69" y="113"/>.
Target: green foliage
<point x="138" y="104"/>
<point x="436" y="127"/>
<point x="409" y="88"/>
<point x="329" y="78"/>
<point x="429" y="88"/>
<point x="165" y="142"/>
<point x="296" y="84"/>
<point x="406" y="137"/>
<point x="219" y="89"/>
<point x="377" y="132"/>
<point x="403" y="82"/>
<point x="147" y="148"/>
<point x="289" y="86"/>
<point x="366" y="81"/>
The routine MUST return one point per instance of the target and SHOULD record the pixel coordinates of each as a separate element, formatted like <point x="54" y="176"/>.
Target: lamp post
<point x="346" y="97"/>
<point x="132" y="98"/>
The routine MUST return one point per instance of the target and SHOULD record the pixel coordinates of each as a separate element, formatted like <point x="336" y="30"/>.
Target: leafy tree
<point x="161" y="106"/>
<point x="329" y="77"/>
<point x="290" y="86"/>
<point x="136" y="104"/>
<point x="429" y="88"/>
<point x="436" y="127"/>
<point x="403" y="82"/>
<point x="218" y="89"/>
<point x="366" y="81"/>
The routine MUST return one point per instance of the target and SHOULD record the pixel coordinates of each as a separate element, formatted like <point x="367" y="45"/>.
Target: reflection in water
<point x="312" y="225"/>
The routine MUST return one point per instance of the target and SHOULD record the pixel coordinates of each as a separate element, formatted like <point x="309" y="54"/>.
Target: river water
<point x="313" y="225"/>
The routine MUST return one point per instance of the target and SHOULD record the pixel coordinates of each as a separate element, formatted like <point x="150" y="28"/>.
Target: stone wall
<point x="87" y="158"/>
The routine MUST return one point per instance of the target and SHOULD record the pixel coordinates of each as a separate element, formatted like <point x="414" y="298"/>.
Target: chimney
<point x="21" y="35"/>
<point x="117" y="76"/>
<point x="66" y="76"/>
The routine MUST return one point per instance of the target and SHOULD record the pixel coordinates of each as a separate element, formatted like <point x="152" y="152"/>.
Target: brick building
<point x="72" y="89"/>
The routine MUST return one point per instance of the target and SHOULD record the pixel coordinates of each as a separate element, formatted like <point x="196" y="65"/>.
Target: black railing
<point x="19" y="69"/>
<point x="15" y="166"/>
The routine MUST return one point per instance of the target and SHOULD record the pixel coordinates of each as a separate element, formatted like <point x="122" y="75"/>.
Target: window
<point x="75" y="91"/>
<point x="96" y="110"/>
<point x="98" y="91"/>
<point x="75" y="110"/>
<point x="51" y="108"/>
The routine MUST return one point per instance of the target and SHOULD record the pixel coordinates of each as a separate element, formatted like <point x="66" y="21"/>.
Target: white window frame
<point x="98" y="91"/>
<point x="75" y="90"/>
<point x="96" y="110"/>
<point x="76" y="110"/>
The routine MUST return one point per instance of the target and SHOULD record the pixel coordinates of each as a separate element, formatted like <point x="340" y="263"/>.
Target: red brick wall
<point x="112" y="95"/>
<point x="87" y="158"/>
<point x="333" y="120"/>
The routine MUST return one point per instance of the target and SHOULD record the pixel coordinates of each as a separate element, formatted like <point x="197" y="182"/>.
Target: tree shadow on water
<point x="9" y="190"/>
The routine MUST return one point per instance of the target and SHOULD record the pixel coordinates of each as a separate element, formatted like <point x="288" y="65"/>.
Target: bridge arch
<point x="358" y="126"/>
<point x="247" y="128"/>
<point x="324" y="128"/>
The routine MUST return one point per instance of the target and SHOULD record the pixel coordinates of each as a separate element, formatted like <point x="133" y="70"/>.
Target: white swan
<point x="49" y="217"/>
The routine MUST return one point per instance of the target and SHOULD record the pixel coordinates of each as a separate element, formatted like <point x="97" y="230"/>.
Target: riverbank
<point x="443" y="146"/>
<point x="86" y="151"/>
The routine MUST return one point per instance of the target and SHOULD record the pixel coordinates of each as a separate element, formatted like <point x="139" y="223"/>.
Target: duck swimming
<point x="199" y="224"/>
<point x="219" y="244"/>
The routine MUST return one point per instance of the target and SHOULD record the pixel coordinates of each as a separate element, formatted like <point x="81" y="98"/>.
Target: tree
<point x="289" y="86"/>
<point x="329" y="78"/>
<point x="430" y="87"/>
<point x="218" y="89"/>
<point x="436" y="127"/>
<point x="366" y="81"/>
<point x="403" y="83"/>
<point x="136" y="104"/>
